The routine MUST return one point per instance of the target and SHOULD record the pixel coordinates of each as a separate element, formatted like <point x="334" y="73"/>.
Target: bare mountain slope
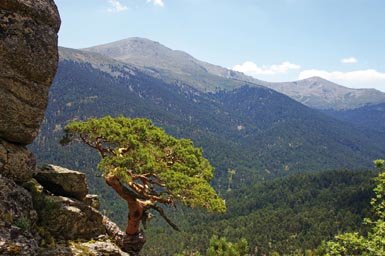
<point x="178" y="66"/>
<point x="172" y="65"/>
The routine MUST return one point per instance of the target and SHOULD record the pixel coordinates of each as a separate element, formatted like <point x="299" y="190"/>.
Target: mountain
<point x="319" y="93"/>
<point x="174" y="66"/>
<point x="171" y="65"/>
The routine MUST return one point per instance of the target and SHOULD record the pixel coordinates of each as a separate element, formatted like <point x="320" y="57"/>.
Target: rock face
<point x="101" y="246"/>
<point x="65" y="218"/>
<point x="15" y="204"/>
<point x="16" y="241"/>
<point x="93" y="201"/>
<point x="17" y="217"/>
<point x="62" y="181"/>
<point x="16" y="162"/>
<point x="28" y="54"/>
<point x="70" y="219"/>
<point x="38" y="219"/>
<point x="97" y="248"/>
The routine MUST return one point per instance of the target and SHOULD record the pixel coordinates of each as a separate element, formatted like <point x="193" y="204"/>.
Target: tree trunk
<point x="134" y="238"/>
<point x="131" y="244"/>
<point x="135" y="216"/>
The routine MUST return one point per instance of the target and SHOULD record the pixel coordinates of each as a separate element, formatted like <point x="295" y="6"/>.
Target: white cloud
<point x="253" y="69"/>
<point x="349" y="60"/>
<point x="156" y="2"/>
<point x="368" y="78"/>
<point x="116" y="6"/>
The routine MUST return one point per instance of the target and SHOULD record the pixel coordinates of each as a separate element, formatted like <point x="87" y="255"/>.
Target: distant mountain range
<point x="173" y="66"/>
<point x="319" y="93"/>
<point x="251" y="128"/>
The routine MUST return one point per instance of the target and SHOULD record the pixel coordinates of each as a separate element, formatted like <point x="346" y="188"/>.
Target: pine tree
<point x="147" y="168"/>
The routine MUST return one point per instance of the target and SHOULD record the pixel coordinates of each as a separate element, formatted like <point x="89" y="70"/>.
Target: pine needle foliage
<point x="154" y="165"/>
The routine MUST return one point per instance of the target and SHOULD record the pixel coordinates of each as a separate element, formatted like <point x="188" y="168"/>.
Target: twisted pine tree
<point x="147" y="168"/>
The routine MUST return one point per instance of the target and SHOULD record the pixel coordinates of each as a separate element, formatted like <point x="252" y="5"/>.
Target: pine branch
<point x="161" y="212"/>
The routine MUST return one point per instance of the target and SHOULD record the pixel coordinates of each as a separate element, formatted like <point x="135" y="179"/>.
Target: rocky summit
<point x="43" y="211"/>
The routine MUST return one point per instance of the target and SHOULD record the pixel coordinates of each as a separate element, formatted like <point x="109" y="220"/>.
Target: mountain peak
<point x="128" y="40"/>
<point x="138" y="50"/>
<point x="316" y="79"/>
<point x="171" y="65"/>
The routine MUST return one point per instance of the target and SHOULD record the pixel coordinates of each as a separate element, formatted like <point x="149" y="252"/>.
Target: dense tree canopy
<point x="373" y="243"/>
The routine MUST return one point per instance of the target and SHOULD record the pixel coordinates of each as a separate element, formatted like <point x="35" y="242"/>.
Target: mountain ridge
<point x="176" y="65"/>
<point x="320" y="93"/>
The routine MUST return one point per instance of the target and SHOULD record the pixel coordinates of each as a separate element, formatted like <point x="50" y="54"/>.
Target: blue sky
<point x="273" y="40"/>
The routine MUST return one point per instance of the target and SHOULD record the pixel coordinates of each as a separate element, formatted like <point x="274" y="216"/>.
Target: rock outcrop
<point x="15" y="204"/>
<point x="102" y="246"/>
<point x="98" y="248"/>
<point x="72" y="222"/>
<point x="55" y="216"/>
<point x="17" y="216"/>
<point x="28" y="62"/>
<point x="92" y="200"/>
<point x="65" y="218"/>
<point x="16" y="241"/>
<point x="62" y="181"/>
<point x="16" y="161"/>
<point x="29" y="56"/>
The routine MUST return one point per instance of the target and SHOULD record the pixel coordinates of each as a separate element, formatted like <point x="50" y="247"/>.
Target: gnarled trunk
<point x="134" y="238"/>
<point x="135" y="216"/>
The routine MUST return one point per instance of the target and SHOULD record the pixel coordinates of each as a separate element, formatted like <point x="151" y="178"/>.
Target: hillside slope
<point x="370" y="117"/>
<point x="287" y="215"/>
